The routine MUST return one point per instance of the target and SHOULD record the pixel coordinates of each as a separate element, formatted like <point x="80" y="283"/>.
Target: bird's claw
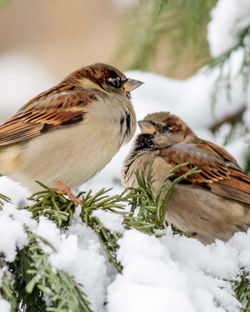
<point x="65" y="190"/>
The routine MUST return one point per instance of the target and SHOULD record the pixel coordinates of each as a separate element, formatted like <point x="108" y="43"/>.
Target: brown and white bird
<point x="211" y="204"/>
<point x="71" y="131"/>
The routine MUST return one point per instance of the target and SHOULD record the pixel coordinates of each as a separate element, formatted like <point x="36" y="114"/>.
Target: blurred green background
<point x="166" y="37"/>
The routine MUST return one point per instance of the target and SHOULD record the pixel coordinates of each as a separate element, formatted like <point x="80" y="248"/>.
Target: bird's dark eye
<point x="165" y="128"/>
<point x="115" y="82"/>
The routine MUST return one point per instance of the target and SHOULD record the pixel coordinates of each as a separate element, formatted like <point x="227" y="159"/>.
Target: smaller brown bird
<point x="214" y="203"/>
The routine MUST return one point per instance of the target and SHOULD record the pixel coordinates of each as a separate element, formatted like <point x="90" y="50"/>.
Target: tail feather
<point x="230" y="192"/>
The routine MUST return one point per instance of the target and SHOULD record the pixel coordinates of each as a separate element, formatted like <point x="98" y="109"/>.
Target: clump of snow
<point x="110" y="220"/>
<point x="12" y="233"/>
<point x="150" y="281"/>
<point x="78" y="252"/>
<point x="228" y="19"/>
<point x="4" y="306"/>
<point x="91" y="267"/>
<point x="176" y="273"/>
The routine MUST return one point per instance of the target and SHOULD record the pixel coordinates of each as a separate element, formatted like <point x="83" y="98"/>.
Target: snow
<point x="21" y="78"/>
<point x="110" y="221"/>
<point x="174" y="274"/>
<point x="12" y="232"/>
<point x="91" y="267"/>
<point x="170" y="273"/>
<point x="197" y="101"/>
<point x="77" y="252"/>
<point x="228" y="19"/>
<point x="4" y="306"/>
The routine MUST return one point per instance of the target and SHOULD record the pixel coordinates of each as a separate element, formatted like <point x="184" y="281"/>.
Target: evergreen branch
<point x="34" y="276"/>
<point x="59" y="209"/>
<point x="231" y="119"/>
<point x="4" y="3"/>
<point x="114" y="204"/>
<point x="101" y="201"/>
<point x="52" y="205"/>
<point x="38" y="276"/>
<point x="4" y="198"/>
<point x="7" y="289"/>
<point x="108" y="241"/>
<point x="164" y="203"/>
<point x="151" y="202"/>
<point x="222" y="58"/>
<point x="157" y="27"/>
<point x="26" y="302"/>
<point x="242" y="290"/>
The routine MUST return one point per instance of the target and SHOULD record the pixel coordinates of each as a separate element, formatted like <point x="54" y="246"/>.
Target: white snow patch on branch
<point x="228" y="19"/>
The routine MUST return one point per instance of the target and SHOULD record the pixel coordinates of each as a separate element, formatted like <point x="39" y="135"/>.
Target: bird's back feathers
<point x="46" y="112"/>
<point x="220" y="173"/>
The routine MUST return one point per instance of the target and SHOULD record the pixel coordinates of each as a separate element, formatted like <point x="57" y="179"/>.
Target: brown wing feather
<point x="219" y="170"/>
<point x="237" y="187"/>
<point x="46" y="112"/>
<point x="217" y="151"/>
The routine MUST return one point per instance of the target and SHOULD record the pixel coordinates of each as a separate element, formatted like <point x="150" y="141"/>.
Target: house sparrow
<point x="211" y="204"/>
<point x="71" y="131"/>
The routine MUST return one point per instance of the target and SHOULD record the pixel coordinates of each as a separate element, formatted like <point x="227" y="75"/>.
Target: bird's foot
<point x="65" y="190"/>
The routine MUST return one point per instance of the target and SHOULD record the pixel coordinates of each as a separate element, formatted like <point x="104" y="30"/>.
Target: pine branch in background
<point x="4" y="3"/>
<point x="224" y="79"/>
<point x="156" y="31"/>
<point x="162" y="34"/>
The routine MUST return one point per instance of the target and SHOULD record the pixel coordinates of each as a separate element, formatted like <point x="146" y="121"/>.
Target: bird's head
<point x="160" y="130"/>
<point x="103" y="77"/>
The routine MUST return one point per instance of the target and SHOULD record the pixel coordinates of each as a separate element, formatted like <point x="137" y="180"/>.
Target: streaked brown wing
<point x="236" y="187"/>
<point x="216" y="151"/>
<point x="44" y="113"/>
<point x="220" y="174"/>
